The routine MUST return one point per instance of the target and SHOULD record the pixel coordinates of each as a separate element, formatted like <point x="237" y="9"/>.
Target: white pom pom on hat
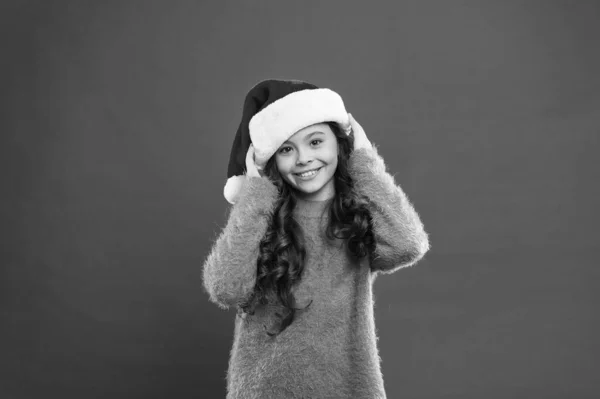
<point x="232" y="188"/>
<point x="274" y="110"/>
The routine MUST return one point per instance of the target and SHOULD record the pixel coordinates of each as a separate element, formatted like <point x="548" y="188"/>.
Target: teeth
<point x="307" y="174"/>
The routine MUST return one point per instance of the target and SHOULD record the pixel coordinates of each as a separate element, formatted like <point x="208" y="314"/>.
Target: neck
<point x="311" y="207"/>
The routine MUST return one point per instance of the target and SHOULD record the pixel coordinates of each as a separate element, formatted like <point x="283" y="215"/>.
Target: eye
<point x="316" y="142"/>
<point x="285" y="150"/>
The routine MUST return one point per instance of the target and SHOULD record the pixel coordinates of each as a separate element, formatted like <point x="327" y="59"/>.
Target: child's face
<point x="313" y="149"/>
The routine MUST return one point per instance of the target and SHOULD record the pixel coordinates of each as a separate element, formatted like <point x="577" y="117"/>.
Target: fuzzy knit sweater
<point x="330" y="349"/>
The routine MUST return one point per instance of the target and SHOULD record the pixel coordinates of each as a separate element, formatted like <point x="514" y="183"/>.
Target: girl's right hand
<point x="360" y="138"/>
<point x="251" y="169"/>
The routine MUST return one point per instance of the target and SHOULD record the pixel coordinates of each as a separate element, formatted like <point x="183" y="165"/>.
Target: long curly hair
<point x="282" y="250"/>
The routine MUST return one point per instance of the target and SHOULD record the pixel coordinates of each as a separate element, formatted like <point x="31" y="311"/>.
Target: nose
<point x="303" y="158"/>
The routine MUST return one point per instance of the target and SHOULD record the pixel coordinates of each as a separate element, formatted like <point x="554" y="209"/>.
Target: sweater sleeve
<point x="400" y="237"/>
<point x="230" y="269"/>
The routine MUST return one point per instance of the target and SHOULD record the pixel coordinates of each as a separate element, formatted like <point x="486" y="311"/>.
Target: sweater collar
<point x="311" y="208"/>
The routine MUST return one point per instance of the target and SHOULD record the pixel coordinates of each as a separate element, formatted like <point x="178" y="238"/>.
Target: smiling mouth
<point x="309" y="173"/>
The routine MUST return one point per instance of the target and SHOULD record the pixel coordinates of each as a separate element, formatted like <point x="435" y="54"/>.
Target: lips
<point x="309" y="173"/>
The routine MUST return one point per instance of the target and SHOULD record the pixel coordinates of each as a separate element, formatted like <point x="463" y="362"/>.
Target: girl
<point x="314" y="220"/>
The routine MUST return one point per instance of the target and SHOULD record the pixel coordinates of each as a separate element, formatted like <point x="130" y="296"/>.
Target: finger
<point x="351" y="119"/>
<point x="250" y="155"/>
<point x="351" y="129"/>
<point x="250" y="166"/>
<point x="356" y="127"/>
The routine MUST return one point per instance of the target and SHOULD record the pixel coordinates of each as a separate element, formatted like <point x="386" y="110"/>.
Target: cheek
<point x="283" y="165"/>
<point x="333" y="154"/>
<point x="284" y="172"/>
<point x="334" y="164"/>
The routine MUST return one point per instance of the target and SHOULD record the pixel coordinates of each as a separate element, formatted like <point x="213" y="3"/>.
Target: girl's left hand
<point x="360" y="137"/>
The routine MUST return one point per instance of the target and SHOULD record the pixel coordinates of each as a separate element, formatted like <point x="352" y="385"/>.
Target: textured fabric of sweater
<point x="330" y="349"/>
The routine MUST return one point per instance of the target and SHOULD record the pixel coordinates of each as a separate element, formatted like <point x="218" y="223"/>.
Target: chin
<point x="307" y="192"/>
<point x="312" y="191"/>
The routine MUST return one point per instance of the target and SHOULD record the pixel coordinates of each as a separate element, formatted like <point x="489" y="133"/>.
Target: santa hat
<point x="273" y="111"/>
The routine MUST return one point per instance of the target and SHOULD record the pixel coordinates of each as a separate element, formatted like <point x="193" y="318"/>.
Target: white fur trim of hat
<point x="277" y="122"/>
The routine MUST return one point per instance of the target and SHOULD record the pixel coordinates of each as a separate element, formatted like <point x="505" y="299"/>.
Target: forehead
<point x="304" y="133"/>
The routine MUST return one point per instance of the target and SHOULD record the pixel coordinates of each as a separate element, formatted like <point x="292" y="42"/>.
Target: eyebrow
<point x="308" y="136"/>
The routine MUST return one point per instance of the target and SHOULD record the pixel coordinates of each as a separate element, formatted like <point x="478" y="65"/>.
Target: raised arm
<point x="400" y="237"/>
<point x="230" y="268"/>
